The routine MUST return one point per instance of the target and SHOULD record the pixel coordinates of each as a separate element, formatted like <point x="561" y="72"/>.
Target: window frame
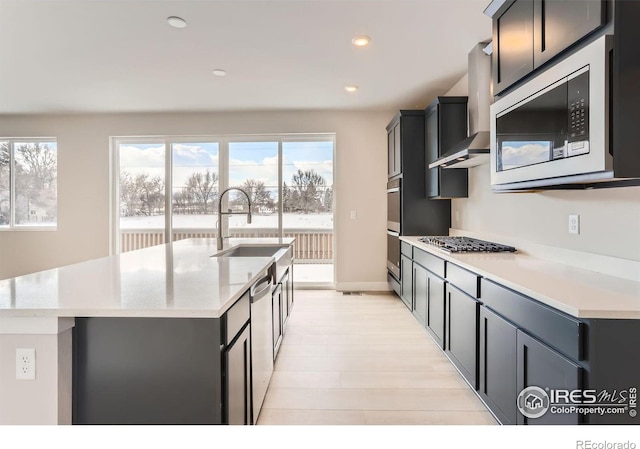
<point x="12" y="226"/>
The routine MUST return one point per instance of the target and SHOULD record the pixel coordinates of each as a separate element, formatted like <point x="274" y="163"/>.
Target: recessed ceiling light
<point x="361" y="41"/>
<point x="219" y="72"/>
<point x="177" y="22"/>
<point x="351" y="88"/>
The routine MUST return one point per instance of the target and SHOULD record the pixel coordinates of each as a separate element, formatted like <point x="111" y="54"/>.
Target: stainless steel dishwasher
<point x="261" y="341"/>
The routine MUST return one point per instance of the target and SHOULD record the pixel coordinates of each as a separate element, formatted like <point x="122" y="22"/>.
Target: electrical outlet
<point x="26" y="364"/>
<point x="354" y="214"/>
<point x="574" y="224"/>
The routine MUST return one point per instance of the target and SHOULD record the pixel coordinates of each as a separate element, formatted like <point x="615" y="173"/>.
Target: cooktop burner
<point x="465" y="245"/>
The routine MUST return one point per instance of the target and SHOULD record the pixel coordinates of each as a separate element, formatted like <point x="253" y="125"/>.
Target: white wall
<point x="609" y="218"/>
<point x="83" y="182"/>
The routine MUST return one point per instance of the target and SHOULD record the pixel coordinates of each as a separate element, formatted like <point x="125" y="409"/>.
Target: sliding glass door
<point x="169" y="188"/>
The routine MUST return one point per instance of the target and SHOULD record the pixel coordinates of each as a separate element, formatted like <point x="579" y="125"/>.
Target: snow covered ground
<point x="289" y="221"/>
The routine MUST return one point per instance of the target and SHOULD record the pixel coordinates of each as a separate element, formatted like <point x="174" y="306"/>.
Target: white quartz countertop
<point x="179" y="279"/>
<point x="578" y="292"/>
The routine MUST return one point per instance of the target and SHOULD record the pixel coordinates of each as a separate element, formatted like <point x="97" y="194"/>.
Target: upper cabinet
<point x="394" y="150"/>
<point x="445" y="126"/>
<point x="558" y="24"/>
<point x="512" y="44"/>
<point x="528" y="33"/>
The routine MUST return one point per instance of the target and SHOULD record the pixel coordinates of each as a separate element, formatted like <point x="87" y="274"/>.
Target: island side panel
<point x="147" y="371"/>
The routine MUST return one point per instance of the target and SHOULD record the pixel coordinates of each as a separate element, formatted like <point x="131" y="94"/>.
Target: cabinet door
<point x="390" y="154"/>
<point x="290" y="291"/>
<point x="560" y="23"/>
<point x="513" y="44"/>
<point x="397" y="148"/>
<point x="432" y="146"/>
<point x="277" y="319"/>
<point x="284" y="307"/>
<point x="462" y="333"/>
<point x="540" y="366"/>
<point x="420" y="293"/>
<point x="436" y="308"/>
<point x="406" y="276"/>
<point x="238" y="379"/>
<point x="498" y="386"/>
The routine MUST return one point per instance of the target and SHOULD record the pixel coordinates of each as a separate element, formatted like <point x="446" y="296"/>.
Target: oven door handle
<point x="393" y="233"/>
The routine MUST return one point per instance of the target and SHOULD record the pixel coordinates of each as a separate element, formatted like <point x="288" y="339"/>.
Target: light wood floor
<point x="364" y="360"/>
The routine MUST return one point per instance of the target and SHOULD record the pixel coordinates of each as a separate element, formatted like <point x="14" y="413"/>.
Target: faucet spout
<point x="220" y="238"/>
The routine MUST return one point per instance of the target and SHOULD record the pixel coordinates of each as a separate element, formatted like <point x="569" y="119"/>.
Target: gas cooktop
<point x="465" y="245"/>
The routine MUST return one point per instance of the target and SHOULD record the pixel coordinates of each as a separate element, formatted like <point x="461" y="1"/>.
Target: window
<point x="28" y="183"/>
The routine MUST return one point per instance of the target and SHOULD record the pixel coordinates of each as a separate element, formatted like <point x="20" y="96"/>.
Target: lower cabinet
<point x="420" y="293"/>
<point x="277" y="319"/>
<point x="436" y="308"/>
<point x="406" y="273"/>
<point x="237" y="377"/>
<point x="462" y="333"/>
<point x="539" y="365"/>
<point x="498" y="385"/>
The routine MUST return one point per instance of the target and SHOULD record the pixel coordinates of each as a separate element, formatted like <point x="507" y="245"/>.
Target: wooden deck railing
<point x="312" y="245"/>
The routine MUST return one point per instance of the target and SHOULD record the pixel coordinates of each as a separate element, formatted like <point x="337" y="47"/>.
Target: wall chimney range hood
<point x="474" y="150"/>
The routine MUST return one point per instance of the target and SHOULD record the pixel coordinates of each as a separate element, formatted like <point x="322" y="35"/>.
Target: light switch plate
<point x="574" y="224"/>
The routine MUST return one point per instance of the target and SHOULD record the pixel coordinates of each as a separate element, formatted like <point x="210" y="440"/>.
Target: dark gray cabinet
<point x="394" y="148"/>
<point x="445" y="126"/>
<point x="462" y="312"/>
<point x="529" y="33"/>
<point x="436" y="308"/>
<point x="420" y="293"/>
<point x="540" y="366"/>
<point x="277" y="318"/>
<point x="406" y="268"/>
<point x="498" y="385"/>
<point x="512" y="44"/>
<point x="237" y="375"/>
<point x="558" y="24"/>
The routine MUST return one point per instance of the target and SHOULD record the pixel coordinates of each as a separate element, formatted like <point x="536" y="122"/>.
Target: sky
<point x="247" y="160"/>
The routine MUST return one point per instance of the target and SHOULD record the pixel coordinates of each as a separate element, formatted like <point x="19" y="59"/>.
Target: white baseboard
<point x="362" y="287"/>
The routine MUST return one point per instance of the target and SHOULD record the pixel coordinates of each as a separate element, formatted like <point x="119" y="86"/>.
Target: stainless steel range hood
<point x="474" y="150"/>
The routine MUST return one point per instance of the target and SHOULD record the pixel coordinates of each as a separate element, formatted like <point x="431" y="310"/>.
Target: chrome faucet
<point x="220" y="214"/>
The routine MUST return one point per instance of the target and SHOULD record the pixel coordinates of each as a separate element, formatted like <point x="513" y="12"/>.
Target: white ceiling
<point x="121" y="55"/>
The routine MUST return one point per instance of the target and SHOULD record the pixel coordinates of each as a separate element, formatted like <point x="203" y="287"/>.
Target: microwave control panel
<point x="578" y="102"/>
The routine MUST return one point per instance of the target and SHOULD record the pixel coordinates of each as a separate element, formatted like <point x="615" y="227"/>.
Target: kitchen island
<point x="167" y="312"/>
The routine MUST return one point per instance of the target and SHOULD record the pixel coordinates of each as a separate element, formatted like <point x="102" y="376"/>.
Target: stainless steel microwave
<point x="554" y="129"/>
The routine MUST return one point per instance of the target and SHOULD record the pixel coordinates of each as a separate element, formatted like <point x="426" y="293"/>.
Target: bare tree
<point x="204" y="189"/>
<point x="150" y="191"/>
<point x="259" y="195"/>
<point x="39" y="163"/>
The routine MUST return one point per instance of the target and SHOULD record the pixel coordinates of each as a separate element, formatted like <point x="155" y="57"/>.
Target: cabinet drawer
<point x="463" y="279"/>
<point x="558" y="330"/>
<point x="428" y="261"/>
<point x="236" y="317"/>
<point x="406" y="249"/>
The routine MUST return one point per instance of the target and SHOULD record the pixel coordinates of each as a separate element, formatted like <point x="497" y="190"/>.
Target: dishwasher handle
<point x="256" y="294"/>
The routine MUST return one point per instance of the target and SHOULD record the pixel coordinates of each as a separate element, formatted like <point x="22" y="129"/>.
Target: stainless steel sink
<point x="282" y="254"/>
<point x="251" y="251"/>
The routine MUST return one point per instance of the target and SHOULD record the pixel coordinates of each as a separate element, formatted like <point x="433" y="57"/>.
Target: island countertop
<point x="178" y="279"/>
<point x="575" y="291"/>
